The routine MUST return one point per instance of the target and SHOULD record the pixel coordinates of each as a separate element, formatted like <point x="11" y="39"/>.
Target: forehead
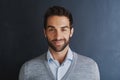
<point x="58" y="21"/>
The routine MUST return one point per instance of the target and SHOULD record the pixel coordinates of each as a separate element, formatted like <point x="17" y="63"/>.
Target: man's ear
<point x="71" y="31"/>
<point x="44" y="32"/>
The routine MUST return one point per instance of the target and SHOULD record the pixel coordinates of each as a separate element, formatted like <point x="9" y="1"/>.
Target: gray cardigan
<point x="82" y="68"/>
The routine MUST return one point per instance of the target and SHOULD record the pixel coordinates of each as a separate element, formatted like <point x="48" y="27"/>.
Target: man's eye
<point x="64" y="29"/>
<point x="51" y="29"/>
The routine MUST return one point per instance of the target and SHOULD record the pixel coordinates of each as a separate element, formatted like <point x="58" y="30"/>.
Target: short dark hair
<point x="59" y="11"/>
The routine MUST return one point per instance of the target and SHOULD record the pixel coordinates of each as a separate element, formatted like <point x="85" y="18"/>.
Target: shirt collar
<point x="49" y="56"/>
<point x="68" y="57"/>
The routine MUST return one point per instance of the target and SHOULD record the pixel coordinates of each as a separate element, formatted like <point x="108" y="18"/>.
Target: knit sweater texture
<point x="82" y="68"/>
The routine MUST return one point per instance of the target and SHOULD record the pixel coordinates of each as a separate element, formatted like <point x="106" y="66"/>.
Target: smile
<point x="58" y="42"/>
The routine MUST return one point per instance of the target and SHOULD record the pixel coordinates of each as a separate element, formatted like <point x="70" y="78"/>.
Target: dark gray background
<point x="97" y="30"/>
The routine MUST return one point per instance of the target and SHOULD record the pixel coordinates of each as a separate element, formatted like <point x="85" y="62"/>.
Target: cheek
<point x="49" y="37"/>
<point x="67" y="36"/>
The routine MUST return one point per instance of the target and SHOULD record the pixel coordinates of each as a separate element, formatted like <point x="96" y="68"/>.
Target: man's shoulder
<point x="36" y="61"/>
<point x="34" y="67"/>
<point x="84" y="59"/>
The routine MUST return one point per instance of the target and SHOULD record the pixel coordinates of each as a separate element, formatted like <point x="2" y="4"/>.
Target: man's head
<point x="58" y="11"/>
<point x="58" y="27"/>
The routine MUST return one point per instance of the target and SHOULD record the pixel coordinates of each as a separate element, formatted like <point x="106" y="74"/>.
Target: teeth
<point x="58" y="42"/>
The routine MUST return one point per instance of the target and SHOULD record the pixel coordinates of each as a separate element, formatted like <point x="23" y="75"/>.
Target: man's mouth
<point x="58" y="42"/>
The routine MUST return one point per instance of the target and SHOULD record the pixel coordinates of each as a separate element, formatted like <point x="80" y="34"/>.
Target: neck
<point x="59" y="56"/>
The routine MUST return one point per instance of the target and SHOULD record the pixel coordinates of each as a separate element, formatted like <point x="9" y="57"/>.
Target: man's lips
<point x="57" y="42"/>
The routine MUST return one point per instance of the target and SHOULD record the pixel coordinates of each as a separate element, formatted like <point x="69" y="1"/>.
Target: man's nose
<point x="58" y="35"/>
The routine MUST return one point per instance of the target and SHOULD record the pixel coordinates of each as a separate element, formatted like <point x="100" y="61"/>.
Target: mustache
<point x="58" y="40"/>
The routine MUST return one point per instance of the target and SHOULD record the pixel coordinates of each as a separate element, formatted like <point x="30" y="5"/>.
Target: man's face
<point x="58" y="32"/>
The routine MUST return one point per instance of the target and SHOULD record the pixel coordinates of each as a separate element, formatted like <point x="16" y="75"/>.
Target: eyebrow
<point x="50" y="27"/>
<point x="65" y="27"/>
<point x="60" y="27"/>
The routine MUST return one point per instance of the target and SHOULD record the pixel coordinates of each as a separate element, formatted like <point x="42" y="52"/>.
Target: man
<point x="59" y="62"/>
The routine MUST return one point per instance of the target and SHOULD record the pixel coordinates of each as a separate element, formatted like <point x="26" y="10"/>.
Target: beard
<point x="59" y="47"/>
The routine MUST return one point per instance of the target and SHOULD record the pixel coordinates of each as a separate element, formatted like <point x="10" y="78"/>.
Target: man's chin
<point x="59" y="48"/>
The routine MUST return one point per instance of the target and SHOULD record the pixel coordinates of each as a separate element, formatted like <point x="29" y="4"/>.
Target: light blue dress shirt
<point x="57" y="69"/>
